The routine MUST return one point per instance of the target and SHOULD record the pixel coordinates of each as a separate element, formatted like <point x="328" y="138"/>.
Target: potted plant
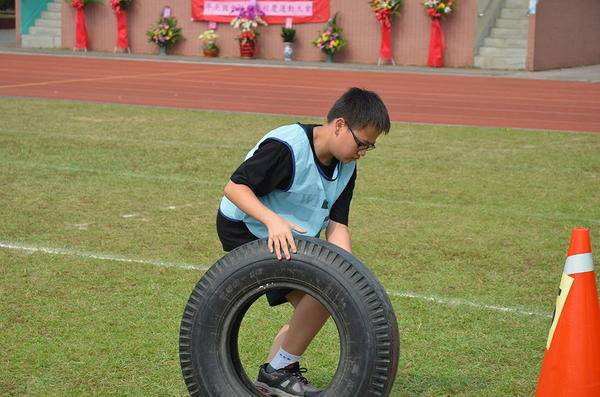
<point x="166" y="33"/>
<point x="331" y="40"/>
<point x="248" y="19"/>
<point x="289" y="36"/>
<point x="208" y="43"/>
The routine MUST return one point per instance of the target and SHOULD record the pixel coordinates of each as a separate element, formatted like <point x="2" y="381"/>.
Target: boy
<point x="299" y="179"/>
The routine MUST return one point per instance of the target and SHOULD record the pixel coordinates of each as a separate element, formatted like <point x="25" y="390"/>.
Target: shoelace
<point x="297" y="373"/>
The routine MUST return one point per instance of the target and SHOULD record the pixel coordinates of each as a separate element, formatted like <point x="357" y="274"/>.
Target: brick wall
<point x="18" y="23"/>
<point x="410" y="32"/>
<point x="565" y="34"/>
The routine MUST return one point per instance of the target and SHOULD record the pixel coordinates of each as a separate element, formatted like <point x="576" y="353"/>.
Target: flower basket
<point x="247" y="20"/>
<point x="331" y="39"/>
<point x="209" y="48"/>
<point x="166" y="33"/>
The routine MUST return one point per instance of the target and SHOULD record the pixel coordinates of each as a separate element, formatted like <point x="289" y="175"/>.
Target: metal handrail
<point x="486" y="9"/>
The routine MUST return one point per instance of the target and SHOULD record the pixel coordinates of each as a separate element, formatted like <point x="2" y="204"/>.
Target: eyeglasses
<point x="359" y="144"/>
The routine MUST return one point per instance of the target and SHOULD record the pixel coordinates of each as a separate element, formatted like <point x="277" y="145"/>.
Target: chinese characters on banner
<point x="277" y="11"/>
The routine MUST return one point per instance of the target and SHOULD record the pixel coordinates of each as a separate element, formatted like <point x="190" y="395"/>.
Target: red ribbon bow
<point x="384" y="17"/>
<point x="433" y="13"/>
<point x="77" y="4"/>
<point x="116" y="6"/>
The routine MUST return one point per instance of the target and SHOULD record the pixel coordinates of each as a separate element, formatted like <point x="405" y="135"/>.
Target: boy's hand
<point x="280" y="236"/>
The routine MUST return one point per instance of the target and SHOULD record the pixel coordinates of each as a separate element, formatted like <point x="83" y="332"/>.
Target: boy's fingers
<point x="299" y="229"/>
<point x="270" y="245"/>
<point x="293" y="245"/>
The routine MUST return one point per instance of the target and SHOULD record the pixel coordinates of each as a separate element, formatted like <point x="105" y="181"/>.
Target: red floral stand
<point x="385" y="52"/>
<point x="121" y="15"/>
<point x="437" y="44"/>
<point x="82" y="39"/>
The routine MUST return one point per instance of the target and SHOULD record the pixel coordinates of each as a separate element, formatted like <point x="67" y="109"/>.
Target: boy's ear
<point x="338" y="124"/>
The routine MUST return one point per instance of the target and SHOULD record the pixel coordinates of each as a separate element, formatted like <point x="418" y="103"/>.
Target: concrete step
<point x="512" y="43"/>
<point x="54" y="6"/>
<point x="30" y="41"/>
<point x="512" y="23"/>
<point x="506" y="63"/>
<point x="513" y="13"/>
<point x="503" y="33"/>
<point x="495" y="51"/>
<point x="51" y="15"/>
<point x="47" y="23"/>
<point x="44" y="31"/>
<point x="516" y="4"/>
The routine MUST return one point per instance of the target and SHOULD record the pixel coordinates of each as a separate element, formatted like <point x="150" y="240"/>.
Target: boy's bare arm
<point x="338" y="234"/>
<point x="280" y="230"/>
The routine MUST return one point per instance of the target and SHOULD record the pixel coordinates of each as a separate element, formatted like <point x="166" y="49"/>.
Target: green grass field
<point x="107" y="222"/>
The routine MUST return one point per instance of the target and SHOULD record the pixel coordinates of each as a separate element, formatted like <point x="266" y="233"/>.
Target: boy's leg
<point x="286" y="376"/>
<point x="309" y="315"/>
<point x="278" y="341"/>
<point x="294" y="298"/>
<point x="308" y="319"/>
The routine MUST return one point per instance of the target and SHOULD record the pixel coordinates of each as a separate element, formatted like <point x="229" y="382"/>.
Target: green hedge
<point x="7" y="4"/>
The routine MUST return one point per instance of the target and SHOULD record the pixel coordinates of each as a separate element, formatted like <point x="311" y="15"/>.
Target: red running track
<point x="410" y="98"/>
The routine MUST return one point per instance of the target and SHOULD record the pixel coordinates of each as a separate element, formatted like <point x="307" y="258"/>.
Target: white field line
<point x="86" y="254"/>
<point x="101" y="256"/>
<point x="460" y="302"/>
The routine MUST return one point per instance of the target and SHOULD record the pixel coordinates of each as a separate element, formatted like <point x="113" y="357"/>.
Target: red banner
<point x="437" y="44"/>
<point x="81" y="36"/>
<point x="276" y="11"/>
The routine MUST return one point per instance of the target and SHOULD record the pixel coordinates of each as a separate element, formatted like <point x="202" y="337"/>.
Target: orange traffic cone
<point x="571" y="365"/>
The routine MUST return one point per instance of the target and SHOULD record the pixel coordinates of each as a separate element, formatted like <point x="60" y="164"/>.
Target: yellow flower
<point x="442" y="6"/>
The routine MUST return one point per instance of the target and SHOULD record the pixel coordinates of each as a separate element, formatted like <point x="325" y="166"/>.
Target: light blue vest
<point x="308" y="199"/>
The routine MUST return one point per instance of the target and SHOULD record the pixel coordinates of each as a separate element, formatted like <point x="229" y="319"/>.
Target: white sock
<point x="283" y="358"/>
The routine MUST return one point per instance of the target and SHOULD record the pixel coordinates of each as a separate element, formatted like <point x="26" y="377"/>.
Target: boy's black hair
<point x="361" y="108"/>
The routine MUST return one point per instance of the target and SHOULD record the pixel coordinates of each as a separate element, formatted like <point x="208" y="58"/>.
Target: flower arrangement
<point x="439" y="8"/>
<point x="288" y="34"/>
<point x="166" y="33"/>
<point x="248" y="19"/>
<point x="120" y="5"/>
<point x="387" y="8"/>
<point x="208" y="40"/>
<point x="81" y="3"/>
<point x="331" y="40"/>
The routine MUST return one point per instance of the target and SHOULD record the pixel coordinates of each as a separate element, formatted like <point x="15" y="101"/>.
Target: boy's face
<point x="352" y="144"/>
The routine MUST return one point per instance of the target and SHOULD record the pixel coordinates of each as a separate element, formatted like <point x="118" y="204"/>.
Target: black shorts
<point x="232" y="235"/>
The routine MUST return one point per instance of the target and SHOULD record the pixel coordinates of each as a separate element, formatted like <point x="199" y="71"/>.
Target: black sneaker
<point x="285" y="382"/>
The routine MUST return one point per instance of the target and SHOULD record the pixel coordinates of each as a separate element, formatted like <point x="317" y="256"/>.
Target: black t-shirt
<point x="271" y="167"/>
